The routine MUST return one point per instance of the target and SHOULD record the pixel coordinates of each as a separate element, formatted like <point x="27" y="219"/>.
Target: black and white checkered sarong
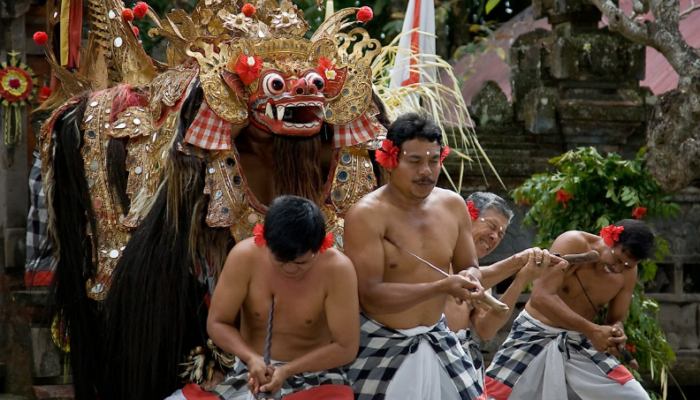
<point x="383" y="350"/>
<point x="40" y="261"/>
<point x="237" y="380"/>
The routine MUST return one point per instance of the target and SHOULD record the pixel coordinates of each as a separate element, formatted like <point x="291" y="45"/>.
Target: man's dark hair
<point x="414" y="126"/>
<point x="484" y="201"/>
<point x="293" y="226"/>
<point x="637" y="239"/>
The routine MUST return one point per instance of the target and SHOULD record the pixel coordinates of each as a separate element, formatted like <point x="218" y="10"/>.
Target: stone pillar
<point x="14" y="197"/>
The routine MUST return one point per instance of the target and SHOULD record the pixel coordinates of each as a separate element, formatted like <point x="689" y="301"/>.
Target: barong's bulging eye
<point x="273" y="84"/>
<point x="316" y="80"/>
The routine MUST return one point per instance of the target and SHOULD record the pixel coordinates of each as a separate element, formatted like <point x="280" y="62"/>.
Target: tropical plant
<point x="588" y="192"/>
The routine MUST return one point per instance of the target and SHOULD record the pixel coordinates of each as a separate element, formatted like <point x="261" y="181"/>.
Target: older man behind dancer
<point x="396" y="237"/>
<point x="554" y="346"/>
<point x="490" y="217"/>
<point x="315" y="317"/>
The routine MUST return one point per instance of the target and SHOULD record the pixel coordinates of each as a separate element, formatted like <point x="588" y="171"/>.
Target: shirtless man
<point x="406" y="350"/>
<point x="315" y="324"/>
<point x="557" y="323"/>
<point x="491" y="217"/>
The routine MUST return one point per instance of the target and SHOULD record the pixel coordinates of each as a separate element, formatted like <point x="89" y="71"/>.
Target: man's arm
<point x="544" y="296"/>
<point x="364" y="232"/>
<point x="343" y="315"/>
<point x="497" y="272"/>
<point x="231" y="290"/>
<point x="617" y="311"/>
<point x="464" y="260"/>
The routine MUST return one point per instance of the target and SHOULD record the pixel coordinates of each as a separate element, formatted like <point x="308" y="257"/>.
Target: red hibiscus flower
<point x="258" y="232"/>
<point x="611" y="234"/>
<point x="444" y="154"/>
<point x="563" y="197"/>
<point x="631" y="348"/>
<point x="140" y="10"/>
<point x="326" y="69"/>
<point x="248" y="68"/>
<point x="327" y="243"/>
<point x="639" y="212"/>
<point x="473" y="211"/>
<point x="364" y="14"/>
<point x="388" y="155"/>
<point x="248" y="10"/>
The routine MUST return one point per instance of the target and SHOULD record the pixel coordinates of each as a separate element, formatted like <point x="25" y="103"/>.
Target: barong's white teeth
<point x="280" y="112"/>
<point x="268" y="111"/>
<point x="318" y="111"/>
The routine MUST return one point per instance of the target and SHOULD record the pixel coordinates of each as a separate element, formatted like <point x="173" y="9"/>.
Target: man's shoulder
<point x="573" y="241"/>
<point x="446" y="196"/>
<point x="368" y="207"/>
<point x="337" y="262"/>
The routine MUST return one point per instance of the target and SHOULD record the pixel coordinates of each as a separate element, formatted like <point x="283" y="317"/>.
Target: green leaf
<point x="491" y="5"/>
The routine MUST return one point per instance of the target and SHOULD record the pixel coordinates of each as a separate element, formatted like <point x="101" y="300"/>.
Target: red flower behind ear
<point x="258" y="232"/>
<point x="611" y="234"/>
<point x="473" y="211"/>
<point x="388" y="155"/>
<point x="639" y="212"/>
<point x="327" y="243"/>
<point x="444" y="154"/>
<point x="248" y="68"/>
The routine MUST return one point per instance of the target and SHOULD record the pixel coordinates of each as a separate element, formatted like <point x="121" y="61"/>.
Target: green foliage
<point x="603" y="191"/>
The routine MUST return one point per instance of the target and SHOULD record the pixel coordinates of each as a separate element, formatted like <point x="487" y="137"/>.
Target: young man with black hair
<point x="555" y="346"/>
<point x="397" y="236"/>
<point x="315" y="313"/>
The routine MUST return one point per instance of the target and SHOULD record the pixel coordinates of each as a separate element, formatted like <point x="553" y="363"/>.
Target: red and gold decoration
<point x="17" y="89"/>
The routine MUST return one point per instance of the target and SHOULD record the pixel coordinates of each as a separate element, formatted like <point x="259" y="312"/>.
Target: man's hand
<point x="602" y="337"/>
<point x="279" y="375"/>
<point x="531" y="271"/>
<point x="463" y="286"/>
<point x="259" y="374"/>
<point x="619" y="339"/>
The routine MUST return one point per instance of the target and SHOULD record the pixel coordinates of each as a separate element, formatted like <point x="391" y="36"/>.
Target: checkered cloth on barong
<point x="383" y="350"/>
<point x="209" y="131"/>
<point x="526" y="341"/>
<point x="237" y="379"/>
<point x="363" y="129"/>
<point x="40" y="262"/>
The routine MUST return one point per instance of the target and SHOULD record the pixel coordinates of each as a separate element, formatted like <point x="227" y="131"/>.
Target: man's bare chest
<point x="590" y="289"/>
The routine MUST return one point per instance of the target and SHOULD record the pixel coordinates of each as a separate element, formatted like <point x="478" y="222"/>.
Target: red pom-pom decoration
<point x="128" y="15"/>
<point x="136" y="31"/>
<point x="327" y="243"/>
<point x="473" y="211"/>
<point x="44" y="93"/>
<point x="41" y="38"/>
<point x="140" y="10"/>
<point x="364" y="14"/>
<point x="388" y="155"/>
<point x="248" y="10"/>
<point x="258" y="233"/>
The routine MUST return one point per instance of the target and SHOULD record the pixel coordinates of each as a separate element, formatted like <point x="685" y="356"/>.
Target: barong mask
<point x="264" y="69"/>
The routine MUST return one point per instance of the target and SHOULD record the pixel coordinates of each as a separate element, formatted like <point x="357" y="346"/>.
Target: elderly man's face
<point x="488" y="231"/>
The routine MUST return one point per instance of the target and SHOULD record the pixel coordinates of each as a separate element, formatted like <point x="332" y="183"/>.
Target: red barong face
<point x="289" y="105"/>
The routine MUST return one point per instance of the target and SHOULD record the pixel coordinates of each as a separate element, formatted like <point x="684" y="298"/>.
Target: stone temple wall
<point x="578" y="85"/>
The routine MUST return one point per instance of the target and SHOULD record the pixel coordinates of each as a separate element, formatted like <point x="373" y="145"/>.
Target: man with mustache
<point x="397" y="236"/>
